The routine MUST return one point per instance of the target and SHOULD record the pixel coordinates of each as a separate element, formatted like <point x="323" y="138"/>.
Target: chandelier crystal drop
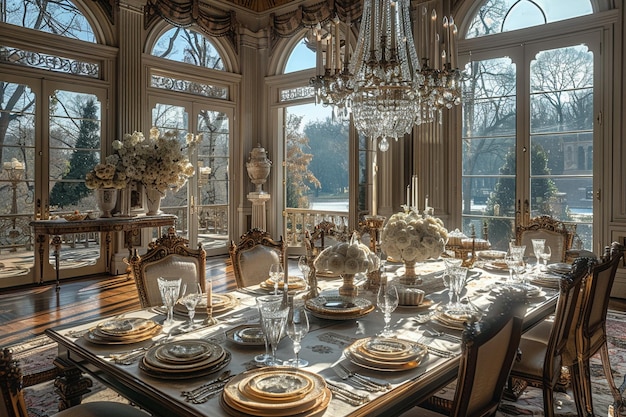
<point x="385" y="85"/>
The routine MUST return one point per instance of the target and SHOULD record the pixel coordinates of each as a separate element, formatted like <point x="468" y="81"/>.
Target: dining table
<point x="325" y="347"/>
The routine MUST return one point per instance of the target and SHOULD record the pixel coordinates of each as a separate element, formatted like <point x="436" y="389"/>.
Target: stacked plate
<point x="293" y="284"/>
<point x="123" y="331"/>
<point x="184" y="359"/>
<point x="559" y="268"/>
<point x="336" y="307"/>
<point x="276" y="392"/>
<point x="246" y="335"/>
<point x="453" y="319"/>
<point x="532" y="291"/>
<point x="385" y="354"/>
<point x="546" y="280"/>
<point x="221" y="304"/>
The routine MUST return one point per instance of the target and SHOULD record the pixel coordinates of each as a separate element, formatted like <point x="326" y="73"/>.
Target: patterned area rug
<point x="42" y="401"/>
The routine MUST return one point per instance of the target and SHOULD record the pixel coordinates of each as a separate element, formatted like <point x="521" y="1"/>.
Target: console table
<point x="55" y="228"/>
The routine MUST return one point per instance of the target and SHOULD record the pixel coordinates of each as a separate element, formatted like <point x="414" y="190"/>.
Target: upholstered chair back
<point x="253" y="255"/>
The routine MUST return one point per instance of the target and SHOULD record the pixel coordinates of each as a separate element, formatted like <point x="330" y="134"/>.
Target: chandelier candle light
<point x="385" y="83"/>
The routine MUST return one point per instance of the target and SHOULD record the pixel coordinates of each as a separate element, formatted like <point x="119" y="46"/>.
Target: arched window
<point x="496" y="16"/>
<point x="301" y="58"/>
<point x="61" y="18"/>
<point x="188" y="46"/>
<point x="528" y="111"/>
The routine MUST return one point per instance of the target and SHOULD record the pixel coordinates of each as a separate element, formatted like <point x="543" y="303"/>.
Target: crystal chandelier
<point x="385" y="85"/>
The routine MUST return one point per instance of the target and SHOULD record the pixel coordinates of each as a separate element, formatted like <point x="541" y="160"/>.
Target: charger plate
<point x="452" y="319"/>
<point x="126" y="326"/>
<point x="95" y="336"/>
<point x="221" y="303"/>
<point x="197" y="372"/>
<point x="265" y="401"/>
<point x="335" y="307"/>
<point x="377" y="360"/>
<point x="208" y="354"/>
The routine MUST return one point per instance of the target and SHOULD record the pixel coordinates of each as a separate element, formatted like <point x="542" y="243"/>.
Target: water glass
<point x="277" y="274"/>
<point x="274" y="314"/>
<point x="538" y="248"/>
<point x="190" y="301"/>
<point x="458" y="281"/>
<point x="297" y="328"/>
<point x="170" y="290"/>
<point x="545" y="257"/>
<point x="387" y="301"/>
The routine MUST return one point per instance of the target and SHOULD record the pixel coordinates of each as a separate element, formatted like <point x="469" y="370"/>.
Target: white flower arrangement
<point x="409" y="237"/>
<point x="156" y="162"/>
<point x="346" y="258"/>
<point x="106" y="175"/>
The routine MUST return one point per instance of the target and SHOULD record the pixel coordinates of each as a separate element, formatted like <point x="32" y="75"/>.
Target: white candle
<point x="408" y="195"/>
<point x="374" y="189"/>
<point x="209" y="296"/>
<point x="426" y="202"/>
<point x="337" y="46"/>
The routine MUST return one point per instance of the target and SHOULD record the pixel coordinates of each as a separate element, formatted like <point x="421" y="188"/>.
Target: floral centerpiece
<point x="106" y="175"/>
<point x="347" y="259"/>
<point x="157" y="162"/>
<point x="411" y="238"/>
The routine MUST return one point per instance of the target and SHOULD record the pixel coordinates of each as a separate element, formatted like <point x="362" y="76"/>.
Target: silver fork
<point x="442" y="335"/>
<point x="365" y="381"/>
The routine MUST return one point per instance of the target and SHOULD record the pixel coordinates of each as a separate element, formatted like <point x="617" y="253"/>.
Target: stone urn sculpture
<point x="258" y="166"/>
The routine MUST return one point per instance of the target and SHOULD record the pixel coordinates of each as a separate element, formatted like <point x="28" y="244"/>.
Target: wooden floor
<point x="27" y="312"/>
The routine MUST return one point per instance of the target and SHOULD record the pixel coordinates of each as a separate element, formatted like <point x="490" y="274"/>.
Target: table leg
<point x="40" y="241"/>
<point x="56" y="241"/>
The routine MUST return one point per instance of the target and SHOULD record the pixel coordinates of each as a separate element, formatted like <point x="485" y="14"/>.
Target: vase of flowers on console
<point x="106" y="179"/>
<point x="158" y="162"/>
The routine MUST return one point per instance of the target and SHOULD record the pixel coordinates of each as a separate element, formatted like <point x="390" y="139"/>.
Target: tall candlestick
<point x="434" y="38"/>
<point x="408" y="195"/>
<point x="337" y="46"/>
<point x="374" y="188"/>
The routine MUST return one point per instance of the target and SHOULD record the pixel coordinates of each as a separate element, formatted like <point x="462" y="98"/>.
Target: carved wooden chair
<point x="170" y="257"/>
<point x="557" y="236"/>
<point x="545" y="347"/>
<point x="253" y="255"/>
<point x="489" y="349"/>
<point x="591" y="328"/>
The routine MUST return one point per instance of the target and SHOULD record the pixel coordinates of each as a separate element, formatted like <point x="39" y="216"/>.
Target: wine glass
<point x="303" y="265"/>
<point x="447" y="276"/>
<point x="297" y="328"/>
<point x="190" y="301"/>
<point x="545" y="257"/>
<point x="170" y="289"/>
<point x="538" y="248"/>
<point x="273" y="318"/>
<point x="458" y="281"/>
<point x="277" y="274"/>
<point x="387" y="301"/>
<point x="517" y="252"/>
<point x="511" y="262"/>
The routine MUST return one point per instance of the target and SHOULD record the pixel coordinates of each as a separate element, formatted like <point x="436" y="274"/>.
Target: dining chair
<point x="558" y="236"/>
<point x="544" y="348"/>
<point x="489" y="347"/>
<point x="170" y="257"/>
<point x="252" y="256"/>
<point x="590" y="334"/>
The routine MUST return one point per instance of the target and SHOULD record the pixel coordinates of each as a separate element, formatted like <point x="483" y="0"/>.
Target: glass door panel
<point x="74" y="143"/>
<point x="489" y="142"/>
<point x="174" y="119"/>
<point x="213" y="179"/>
<point x="17" y="180"/>
<point x="561" y="137"/>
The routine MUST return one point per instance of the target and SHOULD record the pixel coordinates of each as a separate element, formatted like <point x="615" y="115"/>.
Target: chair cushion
<point x="172" y="266"/>
<point x="255" y="264"/>
<point x="533" y="357"/>
<point x="102" y="409"/>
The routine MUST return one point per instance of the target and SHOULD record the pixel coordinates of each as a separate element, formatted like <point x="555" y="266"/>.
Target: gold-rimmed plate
<point x="185" y="373"/>
<point x="126" y="326"/>
<point x="277" y="385"/>
<point x="185" y="352"/>
<point x="208" y="354"/>
<point x="316" y="399"/>
<point x="99" y="338"/>
<point x="335" y="307"/>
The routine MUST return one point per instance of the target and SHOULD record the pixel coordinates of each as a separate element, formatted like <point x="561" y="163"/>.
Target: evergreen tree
<point x="542" y="190"/>
<point x="71" y="188"/>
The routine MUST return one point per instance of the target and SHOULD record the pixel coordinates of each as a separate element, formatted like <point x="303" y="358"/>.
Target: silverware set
<point x="208" y="390"/>
<point x="359" y="380"/>
<point x="442" y="335"/>
<point x="348" y="396"/>
<point x="129" y="357"/>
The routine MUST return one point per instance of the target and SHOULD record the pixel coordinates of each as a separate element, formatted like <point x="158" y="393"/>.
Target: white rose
<point x="352" y="266"/>
<point x="336" y="263"/>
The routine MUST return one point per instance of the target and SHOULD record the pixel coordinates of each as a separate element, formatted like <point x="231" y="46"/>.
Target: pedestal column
<point x="259" y="216"/>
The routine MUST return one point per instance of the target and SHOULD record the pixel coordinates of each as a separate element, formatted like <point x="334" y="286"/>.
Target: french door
<point x="203" y="206"/>
<point x="529" y="132"/>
